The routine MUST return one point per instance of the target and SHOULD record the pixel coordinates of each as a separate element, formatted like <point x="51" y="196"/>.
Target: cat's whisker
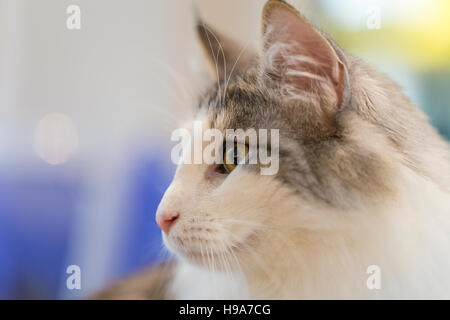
<point x="230" y="251"/>
<point x="244" y="222"/>
<point x="215" y="57"/>
<point x="231" y="73"/>
<point x="225" y="253"/>
<point x="223" y="260"/>
<point x="202" y="253"/>
<point x="212" y="259"/>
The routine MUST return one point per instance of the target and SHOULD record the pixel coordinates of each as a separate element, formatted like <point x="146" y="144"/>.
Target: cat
<point x="363" y="182"/>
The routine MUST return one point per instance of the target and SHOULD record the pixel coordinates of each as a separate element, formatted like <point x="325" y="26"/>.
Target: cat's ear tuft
<point x="301" y="59"/>
<point x="225" y="56"/>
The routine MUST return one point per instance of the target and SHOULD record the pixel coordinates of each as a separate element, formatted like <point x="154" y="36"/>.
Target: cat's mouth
<point x="200" y="256"/>
<point x="204" y="255"/>
<point x="211" y="259"/>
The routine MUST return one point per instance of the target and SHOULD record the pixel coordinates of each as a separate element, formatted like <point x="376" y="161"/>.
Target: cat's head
<point x="334" y="156"/>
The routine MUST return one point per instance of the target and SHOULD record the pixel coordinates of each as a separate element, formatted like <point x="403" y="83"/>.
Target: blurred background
<point x="86" y="116"/>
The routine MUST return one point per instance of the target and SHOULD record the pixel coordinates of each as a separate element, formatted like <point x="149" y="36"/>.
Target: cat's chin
<point x="214" y="260"/>
<point x="211" y="260"/>
<point x="224" y="257"/>
<point x="198" y="258"/>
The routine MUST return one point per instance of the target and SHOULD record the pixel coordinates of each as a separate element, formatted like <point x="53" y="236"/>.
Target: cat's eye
<point x="234" y="155"/>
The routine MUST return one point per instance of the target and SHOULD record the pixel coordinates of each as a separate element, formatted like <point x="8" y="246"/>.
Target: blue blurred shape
<point x="150" y="177"/>
<point x="36" y="209"/>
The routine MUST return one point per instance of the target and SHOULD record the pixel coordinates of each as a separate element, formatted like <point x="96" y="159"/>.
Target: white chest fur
<point x="191" y="282"/>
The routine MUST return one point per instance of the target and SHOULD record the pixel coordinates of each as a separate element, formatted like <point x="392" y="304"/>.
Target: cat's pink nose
<point x="166" y="220"/>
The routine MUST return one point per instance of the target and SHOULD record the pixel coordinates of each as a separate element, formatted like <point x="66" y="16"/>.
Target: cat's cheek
<point x="167" y="244"/>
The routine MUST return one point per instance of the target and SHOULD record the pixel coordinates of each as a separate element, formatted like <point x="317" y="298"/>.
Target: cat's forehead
<point x="242" y="104"/>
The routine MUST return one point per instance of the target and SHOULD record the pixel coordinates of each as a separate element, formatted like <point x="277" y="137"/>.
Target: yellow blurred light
<point x="417" y="32"/>
<point x="426" y="28"/>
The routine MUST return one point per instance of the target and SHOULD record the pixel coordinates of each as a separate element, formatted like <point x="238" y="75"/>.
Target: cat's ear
<point x="299" y="58"/>
<point x="225" y="56"/>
